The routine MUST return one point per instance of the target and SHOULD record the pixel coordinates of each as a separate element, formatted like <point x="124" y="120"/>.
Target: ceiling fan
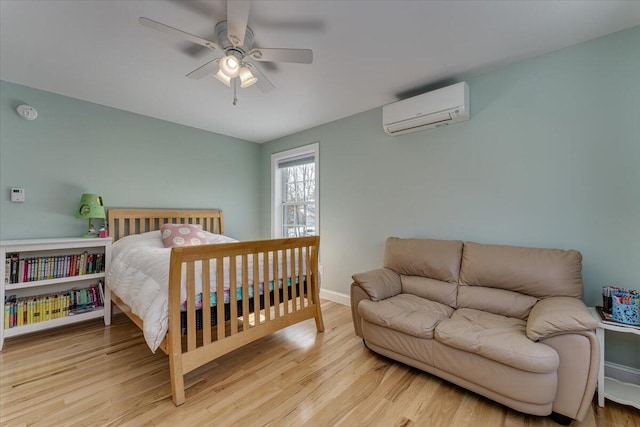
<point x="235" y="40"/>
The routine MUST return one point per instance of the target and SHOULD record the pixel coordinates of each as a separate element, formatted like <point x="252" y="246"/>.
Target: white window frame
<point x="276" y="185"/>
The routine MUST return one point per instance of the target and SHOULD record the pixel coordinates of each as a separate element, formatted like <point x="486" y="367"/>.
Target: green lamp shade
<point x="90" y="207"/>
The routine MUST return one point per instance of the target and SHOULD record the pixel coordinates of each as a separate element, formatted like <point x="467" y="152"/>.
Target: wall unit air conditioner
<point x="432" y="109"/>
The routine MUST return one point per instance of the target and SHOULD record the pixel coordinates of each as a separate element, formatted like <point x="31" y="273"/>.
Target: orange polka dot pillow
<point x="182" y="235"/>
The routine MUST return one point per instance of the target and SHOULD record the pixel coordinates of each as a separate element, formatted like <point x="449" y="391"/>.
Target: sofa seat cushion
<point x="499" y="338"/>
<point x="405" y="313"/>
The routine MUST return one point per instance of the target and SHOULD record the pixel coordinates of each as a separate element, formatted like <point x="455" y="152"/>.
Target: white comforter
<point x="139" y="275"/>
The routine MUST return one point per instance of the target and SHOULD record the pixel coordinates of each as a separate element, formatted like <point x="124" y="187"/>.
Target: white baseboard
<point x="336" y="297"/>
<point x="622" y="373"/>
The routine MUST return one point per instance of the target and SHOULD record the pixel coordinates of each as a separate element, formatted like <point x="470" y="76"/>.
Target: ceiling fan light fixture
<point x="223" y="78"/>
<point x="246" y="77"/>
<point x="230" y="66"/>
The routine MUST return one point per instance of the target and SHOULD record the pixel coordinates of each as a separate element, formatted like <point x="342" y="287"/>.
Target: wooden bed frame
<point x="247" y="320"/>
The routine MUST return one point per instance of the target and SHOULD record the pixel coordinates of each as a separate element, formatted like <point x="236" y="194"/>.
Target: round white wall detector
<point x="27" y="112"/>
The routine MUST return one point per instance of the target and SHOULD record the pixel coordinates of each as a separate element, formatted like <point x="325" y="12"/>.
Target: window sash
<point x="291" y="219"/>
<point x="303" y="190"/>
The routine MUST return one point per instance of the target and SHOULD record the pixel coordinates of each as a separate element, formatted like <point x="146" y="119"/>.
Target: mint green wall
<point x="550" y="158"/>
<point x="131" y="160"/>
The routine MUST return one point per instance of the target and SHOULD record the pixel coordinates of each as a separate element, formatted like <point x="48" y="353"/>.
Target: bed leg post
<point x="174" y="343"/>
<point x="315" y="287"/>
<point x="107" y="306"/>
<point x="319" y="321"/>
<point x="177" y="379"/>
<point x="316" y="301"/>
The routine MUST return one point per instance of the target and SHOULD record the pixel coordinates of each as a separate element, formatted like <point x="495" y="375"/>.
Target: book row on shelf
<point x="20" y="311"/>
<point x="19" y="270"/>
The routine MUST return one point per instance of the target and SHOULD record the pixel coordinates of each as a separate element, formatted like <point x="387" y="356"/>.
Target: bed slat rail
<point x="123" y="222"/>
<point x="289" y="267"/>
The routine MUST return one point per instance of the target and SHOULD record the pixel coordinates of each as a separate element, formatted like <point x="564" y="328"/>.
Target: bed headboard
<point x="123" y="222"/>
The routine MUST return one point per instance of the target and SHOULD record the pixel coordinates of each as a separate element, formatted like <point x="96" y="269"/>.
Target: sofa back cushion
<point x="540" y="273"/>
<point x="434" y="290"/>
<point x="496" y="301"/>
<point x="434" y="259"/>
<point x="428" y="268"/>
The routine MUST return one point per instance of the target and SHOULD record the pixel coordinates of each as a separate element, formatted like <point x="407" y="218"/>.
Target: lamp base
<point x="92" y="231"/>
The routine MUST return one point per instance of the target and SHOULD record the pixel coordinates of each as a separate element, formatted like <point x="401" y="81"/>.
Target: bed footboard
<point x="280" y="263"/>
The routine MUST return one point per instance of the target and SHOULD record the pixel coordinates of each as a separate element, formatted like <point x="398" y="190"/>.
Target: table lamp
<point x="91" y="207"/>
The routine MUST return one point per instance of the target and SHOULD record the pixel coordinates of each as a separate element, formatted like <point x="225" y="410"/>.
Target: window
<point x="294" y="189"/>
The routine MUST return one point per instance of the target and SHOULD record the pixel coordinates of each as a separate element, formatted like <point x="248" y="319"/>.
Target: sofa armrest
<point x="558" y="315"/>
<point x="379" y="284"/>
<point x="578" y="372"/>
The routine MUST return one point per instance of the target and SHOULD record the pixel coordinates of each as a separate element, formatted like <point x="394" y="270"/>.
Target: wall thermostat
<point x="17" y="194"/>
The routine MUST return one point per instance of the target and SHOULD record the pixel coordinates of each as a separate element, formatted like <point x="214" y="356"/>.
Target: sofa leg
<point x="560" y="419"/>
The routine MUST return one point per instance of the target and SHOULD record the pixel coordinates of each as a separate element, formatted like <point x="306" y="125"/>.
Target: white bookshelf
<point x="43" y="248"/>
<point x="610" y="388"/>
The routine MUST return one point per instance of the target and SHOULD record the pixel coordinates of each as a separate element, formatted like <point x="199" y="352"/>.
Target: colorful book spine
<point x="7" y="270"/>
<point x="14" y="268"/>
<point x="74" y="264"/>
<point x="20" y="313"/>
<point x="83" y="263"/>
<point x="21" y="271"/>
<point x="101" y="293"/>
<point x="41" y="270"/>
<point x="99" y="263"/>
<point x="7" y="314"/>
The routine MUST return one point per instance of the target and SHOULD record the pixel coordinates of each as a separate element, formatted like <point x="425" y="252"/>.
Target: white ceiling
<point x="366" y="53"/>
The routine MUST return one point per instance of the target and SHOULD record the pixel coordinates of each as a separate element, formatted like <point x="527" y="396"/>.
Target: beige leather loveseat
<point x="502" y="321"/>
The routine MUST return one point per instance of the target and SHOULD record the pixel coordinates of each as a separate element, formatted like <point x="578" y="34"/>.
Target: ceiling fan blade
<point x="210" y="67"/>
<point x="298" y="56"/>
<point x="155" y="25"/>
<point x="263" y="82"/>
<point x="237" y="18"/>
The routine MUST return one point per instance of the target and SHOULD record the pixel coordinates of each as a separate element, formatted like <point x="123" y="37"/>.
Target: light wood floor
<point x="87" y="374"/>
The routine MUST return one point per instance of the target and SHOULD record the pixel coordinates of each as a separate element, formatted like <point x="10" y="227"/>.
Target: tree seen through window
<point x="298" y="202"/>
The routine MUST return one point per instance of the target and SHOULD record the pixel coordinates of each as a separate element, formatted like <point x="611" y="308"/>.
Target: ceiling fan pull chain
<point x="235" y="90"/>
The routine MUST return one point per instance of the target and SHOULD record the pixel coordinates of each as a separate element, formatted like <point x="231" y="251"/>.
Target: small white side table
<point x="612" y="389"/>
